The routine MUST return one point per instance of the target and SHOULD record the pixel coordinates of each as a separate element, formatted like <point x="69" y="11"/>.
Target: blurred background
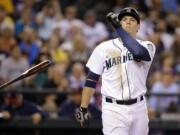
<point x="67" y="31"/>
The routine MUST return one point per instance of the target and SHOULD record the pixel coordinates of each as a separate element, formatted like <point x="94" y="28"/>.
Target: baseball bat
<point x="33" y="70"/>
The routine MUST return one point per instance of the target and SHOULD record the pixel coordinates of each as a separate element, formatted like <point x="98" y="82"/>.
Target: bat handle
<point x="4" y="85"/>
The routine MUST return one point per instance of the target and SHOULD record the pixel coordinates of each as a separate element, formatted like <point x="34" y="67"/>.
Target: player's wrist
<point x="83" y="109"/>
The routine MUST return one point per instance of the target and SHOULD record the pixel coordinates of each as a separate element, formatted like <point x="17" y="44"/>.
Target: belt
<point x="124" y="102"/>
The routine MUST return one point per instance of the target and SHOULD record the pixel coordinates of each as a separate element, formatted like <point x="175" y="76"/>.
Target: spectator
<point x="156" y="39"/>
<point x="15" y="106"/>
<point x="69" y="107"/>
<point x="7" y="41"/>
<point x="170" y="6"/>
<point x="57" y="78"/>
<point x="156" y="4"/>
<point x="166" y="86"/>
<point x="175" y="48"/>
<point x="6" y="31"/>
<point x="41" y="78"/>
<point x="50" y="105"/>
<point x="46" y="19"/>
<point x="77" y="76"/>
<point x="94" y="31"/>
<point x="24" y="5"/>
<point x="155" y="77"/>
<point x="26" y="20"/>
<point x="119" y="4"/>
<point x="167" y="62"/>
<point x="66" y="23"/>
<point x="13" y="66"/>
<point x="147" y="25"/>
<point x="58" y="54"/>
<point x="8" y="6"/>
<point x="74" y="31"/>
<point x="79" y="50"/>
<point x="167" y="38"/>
<point x="5" y="20"/>
<point x="28" y="46"/>
<point x="85" y="5"/>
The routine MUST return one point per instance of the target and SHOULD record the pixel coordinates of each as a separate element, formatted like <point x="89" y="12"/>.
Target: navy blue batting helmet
<point x="129" y="11"/>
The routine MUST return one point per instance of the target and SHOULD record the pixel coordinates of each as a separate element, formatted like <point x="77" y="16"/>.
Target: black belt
<point x="124" y="102"/>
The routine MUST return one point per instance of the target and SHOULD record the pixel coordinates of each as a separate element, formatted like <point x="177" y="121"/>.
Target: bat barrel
<point x="33" y="70"/>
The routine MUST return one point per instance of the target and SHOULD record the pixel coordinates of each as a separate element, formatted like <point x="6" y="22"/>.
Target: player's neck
<point x="120" y="40"/>
<point x="133" y="35"/>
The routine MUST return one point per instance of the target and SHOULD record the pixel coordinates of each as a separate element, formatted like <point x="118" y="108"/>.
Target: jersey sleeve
<point x="95" y="62"/>
<point x="151" y="48"/>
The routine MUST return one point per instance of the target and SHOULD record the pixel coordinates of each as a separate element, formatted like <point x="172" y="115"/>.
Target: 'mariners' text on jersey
<point x="118" y="60"/>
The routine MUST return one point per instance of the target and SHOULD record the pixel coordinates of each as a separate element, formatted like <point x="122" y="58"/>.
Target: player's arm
<point x="138" y="51"/>
<point x="88" y="91"/>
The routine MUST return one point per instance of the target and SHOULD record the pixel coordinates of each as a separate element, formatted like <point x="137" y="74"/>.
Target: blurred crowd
<point x="66" y="31"/>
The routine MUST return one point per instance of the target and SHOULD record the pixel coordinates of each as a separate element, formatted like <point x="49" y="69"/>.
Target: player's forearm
<point x="133" y="46"/>
<point x="86" y="96"/>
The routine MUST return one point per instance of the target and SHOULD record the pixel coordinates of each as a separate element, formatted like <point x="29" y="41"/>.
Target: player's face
<point x="130" y="25"/>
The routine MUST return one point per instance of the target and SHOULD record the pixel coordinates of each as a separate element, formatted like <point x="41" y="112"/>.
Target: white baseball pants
<point x="125" y="119"/>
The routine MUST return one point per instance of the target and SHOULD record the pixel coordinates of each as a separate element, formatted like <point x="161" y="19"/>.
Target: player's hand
<point x="113" y="20"/>
<point x="82" y="116"/>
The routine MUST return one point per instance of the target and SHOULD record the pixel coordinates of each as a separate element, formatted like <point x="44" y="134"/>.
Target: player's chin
<point x="128" y="30"/>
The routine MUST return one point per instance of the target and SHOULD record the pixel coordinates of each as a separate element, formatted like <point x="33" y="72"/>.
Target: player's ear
<point x="138" y="27"/>
<point x="120" y="22"/>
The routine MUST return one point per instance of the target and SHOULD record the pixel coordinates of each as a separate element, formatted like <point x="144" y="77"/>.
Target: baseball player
<point x="123" y="63"/>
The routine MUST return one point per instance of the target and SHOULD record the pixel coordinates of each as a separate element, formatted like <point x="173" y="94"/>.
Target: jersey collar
<point x="118" y="42"/>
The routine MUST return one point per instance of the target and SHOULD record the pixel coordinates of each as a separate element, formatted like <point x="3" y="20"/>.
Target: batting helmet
<point x="129" y="11"/>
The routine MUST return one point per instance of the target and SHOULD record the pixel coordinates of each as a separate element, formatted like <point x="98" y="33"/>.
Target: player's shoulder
<point x="105" y="44"/>
<point x="147" y="43"/>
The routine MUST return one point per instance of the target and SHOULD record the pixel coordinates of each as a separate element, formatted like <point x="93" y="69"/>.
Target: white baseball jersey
<point x="122" y="77"/>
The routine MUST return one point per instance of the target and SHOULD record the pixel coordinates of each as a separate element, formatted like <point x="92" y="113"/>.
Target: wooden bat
<point x="33" y="70"/>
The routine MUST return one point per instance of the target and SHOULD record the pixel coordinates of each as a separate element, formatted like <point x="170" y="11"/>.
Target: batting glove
<point x="113" y="20"/>
<point x="82" y="116"/>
